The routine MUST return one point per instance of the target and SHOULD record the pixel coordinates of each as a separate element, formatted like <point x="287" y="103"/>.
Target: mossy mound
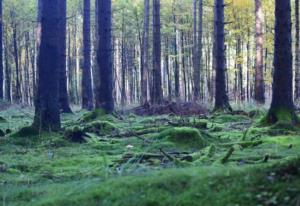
<point x="2" y="119"/>
<point x="94" y="115"/>
<point x="2" y="133"/>
<point x="226" y="118"/>
<point x="100" y="127"/>
<point x="184" y="136"/>
<point x="26" y="132"/>
<point x="75" y="134"/>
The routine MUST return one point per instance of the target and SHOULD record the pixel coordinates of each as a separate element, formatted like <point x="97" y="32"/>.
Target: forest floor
<point x="128" y="160"/>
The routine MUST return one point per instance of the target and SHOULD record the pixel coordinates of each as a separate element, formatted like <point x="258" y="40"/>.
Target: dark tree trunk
<point x="8" y="96"/>
<point x="297" y="52"/>
<point x="196" y="65"/>
<point x="221" y="98"/>
<point x="1" y="53"/>
<point x="145" y="55"/>
<point x="47" y="98"/>
<point x="176" y="65"/>
<point x="16" y="58"/>
<point x="157" y="96"/>
<point x="200" y="32"/>
<point x="87" y="90"/>
<point x="104" y="97"/>
<point x="123" y="65"/>
<point x="282" y="106"/>
<point x="62" y="32"/>
<point x="259" y="64"/>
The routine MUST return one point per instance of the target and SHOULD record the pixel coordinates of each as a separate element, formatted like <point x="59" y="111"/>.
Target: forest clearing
<point x="149" y="102"/>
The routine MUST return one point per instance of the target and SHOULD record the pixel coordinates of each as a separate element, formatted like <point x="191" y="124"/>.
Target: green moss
<point x="26" y="132"/>
<point x="184" y="136"/>
<point x="280" y="117"/>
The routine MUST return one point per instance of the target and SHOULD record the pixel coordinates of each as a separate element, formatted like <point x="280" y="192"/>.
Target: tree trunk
<point x="282" y="106"/>
<point x="47" y="98"/>
<point x="1" y="53"/>
<point x="200" y="33"/>
<point x="221" y="98"/>
<point x="196" y="73"/>
<point x="62" y="32"/>
<point x="87" y="90"/>
<point x="145" y="55"/>
<point x="157" y="97"/>
<point x="104" y="97"/>
<point x="259" y="64"/>
<point x="297" y="52"/>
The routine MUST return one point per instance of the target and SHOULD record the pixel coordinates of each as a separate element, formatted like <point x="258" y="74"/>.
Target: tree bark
<point x="87" y="90"/>
<point x="104" y="99"/>
<point x="145" y="55"/>
<point x="196" y="73"/>
<point x="1" y="54"/>
<point x="47" y="99"/>
<point x="62" y="32"/>
<point x="157" y="96"/>
<point x="297" y="52"/>
<point x="221" y="98"/>
<point x="282" y="106"/>
<point x="259" y="92"/>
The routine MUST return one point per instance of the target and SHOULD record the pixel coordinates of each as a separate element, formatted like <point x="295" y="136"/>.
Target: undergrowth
<point x="222" y="159"/>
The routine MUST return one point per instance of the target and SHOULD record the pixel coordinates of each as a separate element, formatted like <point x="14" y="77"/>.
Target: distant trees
<point x="221" y="98"/>
<point x="282" y="106"/>
<point x="104" y="94"/>
<point x="259" y="62"/>
<point x="87" y="90"/>
<point x="157" y="93"/>
<point x="47" y="96"/>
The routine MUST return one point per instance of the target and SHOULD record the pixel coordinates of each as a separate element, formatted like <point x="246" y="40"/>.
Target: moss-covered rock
<point x="27" y="132"/>
<point x="100" y="127"/>
<point x="75" y="134"/>
<point x="2" y="119"/>
<point x="185" y="136"/>
<point x="2" y="133"/>
<point x="94" y="115"/>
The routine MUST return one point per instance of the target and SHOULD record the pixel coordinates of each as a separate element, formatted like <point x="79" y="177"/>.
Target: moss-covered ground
<point x="99" y="159"/>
